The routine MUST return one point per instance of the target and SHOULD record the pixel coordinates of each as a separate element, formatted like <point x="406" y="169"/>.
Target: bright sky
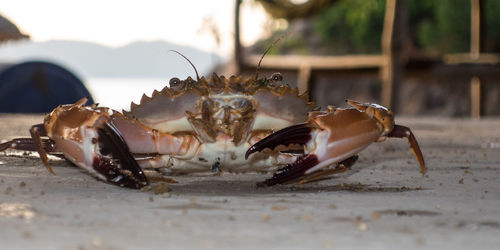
<point x="116" y="23"/>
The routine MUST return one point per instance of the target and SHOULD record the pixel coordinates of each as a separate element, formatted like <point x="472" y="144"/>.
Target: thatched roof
<point x="9" y="31"/>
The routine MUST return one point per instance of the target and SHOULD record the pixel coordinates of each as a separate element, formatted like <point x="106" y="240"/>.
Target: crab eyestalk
<point x="333" y="136"/>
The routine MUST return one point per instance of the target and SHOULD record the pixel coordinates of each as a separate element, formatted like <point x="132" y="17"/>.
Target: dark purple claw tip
<point x="292" y="171"/>
<point x="296" y="134"/>
<point x="123" y="170"/>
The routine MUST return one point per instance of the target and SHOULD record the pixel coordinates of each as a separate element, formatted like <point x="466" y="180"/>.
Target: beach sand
<point x="388" y="204"/>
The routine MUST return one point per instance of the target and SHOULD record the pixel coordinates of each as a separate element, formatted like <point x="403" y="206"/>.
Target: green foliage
<point x="355" y="26"/>
<point x="351" y="26"/>
<point x="492" y="10"/>
<point x="290" y="43"/>
<point x="440" y="26"/>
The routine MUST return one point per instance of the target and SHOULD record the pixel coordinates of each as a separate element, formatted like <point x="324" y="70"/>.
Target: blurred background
<point x="419" y="57"/>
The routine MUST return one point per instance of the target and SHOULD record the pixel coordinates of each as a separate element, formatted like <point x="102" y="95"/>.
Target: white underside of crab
<point x="220" y="156"/>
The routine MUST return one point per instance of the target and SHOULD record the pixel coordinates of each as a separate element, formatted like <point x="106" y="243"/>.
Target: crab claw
<point x="126" y="172"/>
<point x="329" y="137"/>
<point x="296" y="134"/>
<point x="87" y="137"/>
<point x="333" y="137"/>
<point x="300" y="134"/>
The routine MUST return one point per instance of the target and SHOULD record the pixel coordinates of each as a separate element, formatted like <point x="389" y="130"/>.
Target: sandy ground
<point x="386" y="205"/>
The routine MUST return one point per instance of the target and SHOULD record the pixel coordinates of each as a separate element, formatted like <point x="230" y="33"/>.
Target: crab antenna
<point x="192" y="65"/>
<point x="265" y="52"/>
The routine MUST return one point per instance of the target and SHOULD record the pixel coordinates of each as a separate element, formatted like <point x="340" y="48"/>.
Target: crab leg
<point x="401" y="131"/>
<point x="144" y="140"/>
<point x="36" y="132"/>
<point x="27" y="144"/>
<point x="35" y="143"/>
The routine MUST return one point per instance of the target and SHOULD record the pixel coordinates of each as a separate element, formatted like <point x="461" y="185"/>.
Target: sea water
<point x="118" y="93"/>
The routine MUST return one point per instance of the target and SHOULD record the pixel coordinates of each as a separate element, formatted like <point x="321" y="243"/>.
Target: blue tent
<point x="38" y="87"/>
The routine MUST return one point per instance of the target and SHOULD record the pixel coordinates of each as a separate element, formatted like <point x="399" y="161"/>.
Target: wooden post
<point x="476" y="88"/>
<point x="303" y="79"/>
<point x="475" y="97"/>
<point x="475" y="28"/>
<point x="237" y="42"/>
<point x="392" y="71"/>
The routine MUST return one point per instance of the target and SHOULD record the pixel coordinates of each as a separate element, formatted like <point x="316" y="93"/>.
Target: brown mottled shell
<point x="230" y="105"/>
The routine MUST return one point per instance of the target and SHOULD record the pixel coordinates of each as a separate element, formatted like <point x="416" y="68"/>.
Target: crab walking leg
<point x="35" y="143"/>
<point x="36" y="131"/>
<point x="404" y="132"/>
<point x="28" y="145"/>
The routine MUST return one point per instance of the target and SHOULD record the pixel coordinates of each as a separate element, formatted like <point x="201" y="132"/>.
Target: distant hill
<point x="137" y="59"/>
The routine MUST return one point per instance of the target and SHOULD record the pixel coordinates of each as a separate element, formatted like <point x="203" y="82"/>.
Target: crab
<point x="233" y="124"/>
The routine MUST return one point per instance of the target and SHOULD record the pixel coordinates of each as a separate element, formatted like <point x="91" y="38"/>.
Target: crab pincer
<point x="120" y="168"/>
<point x="334" y="136"/>
<point x="87" y="137"/>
